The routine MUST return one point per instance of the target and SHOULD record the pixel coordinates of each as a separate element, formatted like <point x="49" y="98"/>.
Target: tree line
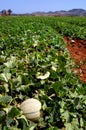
<point x="6" y="12"/>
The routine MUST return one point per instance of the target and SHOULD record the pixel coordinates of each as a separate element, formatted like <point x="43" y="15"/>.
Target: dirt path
<point x="77" y="49"/>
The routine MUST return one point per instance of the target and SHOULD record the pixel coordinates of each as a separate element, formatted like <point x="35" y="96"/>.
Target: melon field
<point x="36" y="63"/>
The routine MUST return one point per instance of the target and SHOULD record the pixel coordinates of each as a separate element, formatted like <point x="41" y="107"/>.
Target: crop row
<point x="70" y="26"/>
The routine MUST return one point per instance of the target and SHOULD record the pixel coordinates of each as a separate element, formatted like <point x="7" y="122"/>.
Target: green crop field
<point x="35" y="63"/>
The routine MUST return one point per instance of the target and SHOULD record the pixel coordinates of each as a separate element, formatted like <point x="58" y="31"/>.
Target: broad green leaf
<point x="5" y="100"/>
<point x="14" y="112"/>
<point x="75" y="124"/>
<point x="69" y="126"/>
<point x="5" y="76"/>
<point x="65" y="116"/>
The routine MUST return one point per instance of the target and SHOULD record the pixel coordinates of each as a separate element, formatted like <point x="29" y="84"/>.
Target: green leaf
<point x="11" y="128"/>
<point x="69" y="126"/>
<point x="5" y="100"/>
<point x="2" y="116"/>
<point x="14" y="112"/>
<point x="59" y="88"/>
<point x="61" y="61"/>
<point x="75" y="124"/>
<point x="11" y="62"/>
<point x="5" y="76"/>
<point x="65" y="116"/>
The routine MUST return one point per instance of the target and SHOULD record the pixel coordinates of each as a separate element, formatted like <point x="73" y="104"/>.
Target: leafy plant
<point x="34" y="63"/>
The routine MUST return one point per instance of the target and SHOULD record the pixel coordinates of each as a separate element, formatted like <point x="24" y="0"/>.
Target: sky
<point x="29" y="6"/>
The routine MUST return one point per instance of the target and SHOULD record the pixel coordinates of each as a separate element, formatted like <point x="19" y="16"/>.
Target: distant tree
<point x="6" y="12"/>
<point x="9" y="11"/>
<point x="3" y="12"/>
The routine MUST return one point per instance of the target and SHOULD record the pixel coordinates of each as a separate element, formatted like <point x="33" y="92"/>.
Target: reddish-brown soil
<point x="77" y="49"/>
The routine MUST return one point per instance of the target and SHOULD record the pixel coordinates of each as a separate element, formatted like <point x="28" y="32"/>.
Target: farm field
<point x="37" y="61"/>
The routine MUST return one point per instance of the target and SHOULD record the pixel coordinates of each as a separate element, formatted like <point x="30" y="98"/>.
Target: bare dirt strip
<point x="77" y="49"/>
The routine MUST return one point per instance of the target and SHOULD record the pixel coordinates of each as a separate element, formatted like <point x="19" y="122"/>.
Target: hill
<point x="73" y="12"/>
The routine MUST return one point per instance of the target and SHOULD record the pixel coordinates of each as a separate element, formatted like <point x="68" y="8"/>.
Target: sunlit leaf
<point x="5" y="76"/>
<point x="45" y="76"/>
